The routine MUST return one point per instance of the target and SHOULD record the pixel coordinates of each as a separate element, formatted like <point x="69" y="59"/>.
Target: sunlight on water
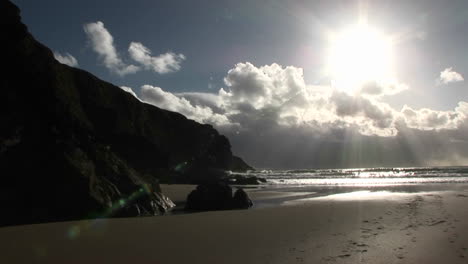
<point x="368" y="181"/>
<point x="365" y="176"/>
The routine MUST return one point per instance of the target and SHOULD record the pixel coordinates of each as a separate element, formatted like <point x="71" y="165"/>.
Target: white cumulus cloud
<point x="102" y="43"/>
<point x="382" y="88"/>
<point x="428" y="119"/>
<point x="166" y="100"/>
<point x="449" y="75"/>
<point x="163" y="63"/>
<point x="273" y="118"/>
<point x="66" y="58"/>
<point x="269" y="85"/>
<point x="273" y="95"/>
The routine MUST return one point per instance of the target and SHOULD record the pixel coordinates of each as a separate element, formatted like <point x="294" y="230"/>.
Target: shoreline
<point x="265" y="196"/>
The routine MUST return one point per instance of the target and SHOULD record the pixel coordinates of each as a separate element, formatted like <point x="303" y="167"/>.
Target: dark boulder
<point x="216" y="196"/>
<point x="208" y="197"/>
<point x="241" y="200"/>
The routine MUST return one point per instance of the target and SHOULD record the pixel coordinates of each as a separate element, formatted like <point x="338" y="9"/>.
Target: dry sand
<point x="364" y="227"/>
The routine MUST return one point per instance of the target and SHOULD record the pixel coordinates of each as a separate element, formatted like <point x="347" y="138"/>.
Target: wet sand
<point x="366" y="227"/>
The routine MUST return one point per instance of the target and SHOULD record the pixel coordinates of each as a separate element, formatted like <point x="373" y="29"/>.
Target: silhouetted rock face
<point x="237" y="164"/>
<point x="216" y="196"/>
<point x="73" y="146"/>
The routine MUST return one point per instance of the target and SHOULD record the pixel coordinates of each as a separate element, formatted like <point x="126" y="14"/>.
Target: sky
<point x="292" y="84"/>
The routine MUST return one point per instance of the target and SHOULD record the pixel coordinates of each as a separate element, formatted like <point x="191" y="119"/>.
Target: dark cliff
<point x="73" y="146"/>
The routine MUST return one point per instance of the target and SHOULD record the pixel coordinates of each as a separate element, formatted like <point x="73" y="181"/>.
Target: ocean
<point x="296" y="186"/>
<point x="363" y="176"/>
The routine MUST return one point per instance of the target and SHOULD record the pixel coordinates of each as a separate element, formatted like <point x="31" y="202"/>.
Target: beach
<point x="345" y="123"/>
<point x="348" y="227"/>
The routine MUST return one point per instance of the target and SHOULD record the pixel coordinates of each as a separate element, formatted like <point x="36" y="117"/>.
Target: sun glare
<point x="357" y="55"/>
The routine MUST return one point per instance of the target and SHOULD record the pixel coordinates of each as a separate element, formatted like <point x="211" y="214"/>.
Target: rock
<point x="241" y="200"/>
<point x="208" y="197"/>
<point x="216" y="196"/>
<point x="73" y="146"/>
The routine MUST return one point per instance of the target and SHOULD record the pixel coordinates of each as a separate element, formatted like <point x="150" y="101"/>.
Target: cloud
<point x="67" y="59"/>
<point x="129" y="90"/>
<point x="280" y="94"/>
<point x="156" y="96"/>
<point x="382" y="88"/>
<point x="449" y="75"/>
<point x="372" y="117"/>
<point x="210" y="100"/>
<point x="102" y="43"/>
<point x="264" y="86"/>
<point x="427" y="119"/>
<point x="274" y="119"/>
<point x="164" y="63"/>
<point x="276" y="96"/>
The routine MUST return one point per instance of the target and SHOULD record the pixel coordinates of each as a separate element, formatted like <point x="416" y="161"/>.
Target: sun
<point x="357" y="55"/>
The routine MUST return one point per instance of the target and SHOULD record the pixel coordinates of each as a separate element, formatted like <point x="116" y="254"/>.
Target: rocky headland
<point x="73" y="146"/>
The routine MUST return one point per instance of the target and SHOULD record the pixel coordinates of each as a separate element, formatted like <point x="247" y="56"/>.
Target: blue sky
<point x="215" y="35"/>
<point x="211" y="34"/>
<point x="234" y="44"/>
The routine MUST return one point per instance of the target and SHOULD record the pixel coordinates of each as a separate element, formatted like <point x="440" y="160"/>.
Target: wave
<point x="364" y="176"/>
